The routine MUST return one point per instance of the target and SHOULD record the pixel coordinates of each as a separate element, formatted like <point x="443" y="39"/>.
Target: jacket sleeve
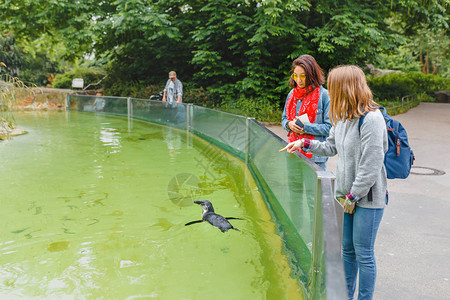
<point x="372" y="135"/>
<point x="326" y="148"/>
<point x="284" y="119"/>
<point x="322" y="128"/>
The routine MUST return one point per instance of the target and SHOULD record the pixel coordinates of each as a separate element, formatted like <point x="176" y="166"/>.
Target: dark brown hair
<point x="313" y="72"/>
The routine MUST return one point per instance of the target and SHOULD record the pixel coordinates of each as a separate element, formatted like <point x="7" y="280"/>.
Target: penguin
<point x="212" y="218"/>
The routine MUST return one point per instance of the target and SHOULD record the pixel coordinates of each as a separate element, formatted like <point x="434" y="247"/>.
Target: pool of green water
<point x="95" y="207"/>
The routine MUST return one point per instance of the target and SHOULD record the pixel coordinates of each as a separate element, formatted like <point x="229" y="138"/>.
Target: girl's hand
<point x="291" y="147"/>
<point x="294" y="127"/>
<point x="349" y="206"/>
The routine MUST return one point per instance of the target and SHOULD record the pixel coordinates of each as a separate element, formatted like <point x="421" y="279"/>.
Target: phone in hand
<point x="299" y="123"/>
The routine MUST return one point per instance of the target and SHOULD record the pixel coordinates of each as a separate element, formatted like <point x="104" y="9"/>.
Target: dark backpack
<point x="399" y="158"/>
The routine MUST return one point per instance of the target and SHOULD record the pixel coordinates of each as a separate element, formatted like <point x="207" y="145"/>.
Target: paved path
<point x="413" y="243"/>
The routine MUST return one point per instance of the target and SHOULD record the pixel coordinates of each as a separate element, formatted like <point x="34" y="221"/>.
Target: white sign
<point x="78" y="83"/>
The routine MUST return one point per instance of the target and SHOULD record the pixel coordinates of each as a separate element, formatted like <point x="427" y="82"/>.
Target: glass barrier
<point x="159" y="112"/>
<point x="290" y="187"/>
<point x="109" y="105"/>
<point x="225" y="130"/>
<point x="297" y="193"/>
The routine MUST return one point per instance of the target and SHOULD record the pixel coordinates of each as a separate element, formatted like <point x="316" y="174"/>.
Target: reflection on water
<point x="110" y="137"/>
<point x="91" y="210"/>
<point x="172" y="138"/>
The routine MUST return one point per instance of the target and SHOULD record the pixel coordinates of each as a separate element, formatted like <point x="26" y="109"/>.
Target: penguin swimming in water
<point x="212" y="218"/>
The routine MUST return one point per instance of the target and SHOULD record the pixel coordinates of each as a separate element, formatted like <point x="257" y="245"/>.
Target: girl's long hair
<point x="350" y="96"/>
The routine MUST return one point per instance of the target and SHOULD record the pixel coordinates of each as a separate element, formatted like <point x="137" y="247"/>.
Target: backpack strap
<point x="397" y="138"/>
<point x="361" y="120"/>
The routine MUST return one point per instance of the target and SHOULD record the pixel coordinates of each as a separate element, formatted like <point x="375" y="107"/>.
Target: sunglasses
<point x="297" y="76"/>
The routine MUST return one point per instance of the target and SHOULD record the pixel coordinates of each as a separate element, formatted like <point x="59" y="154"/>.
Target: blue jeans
<point x="323" y="165"/>
<point x="358" y="240"/>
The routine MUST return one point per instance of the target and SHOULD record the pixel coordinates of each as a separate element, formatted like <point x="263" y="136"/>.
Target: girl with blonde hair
<point x="361" y="183"/>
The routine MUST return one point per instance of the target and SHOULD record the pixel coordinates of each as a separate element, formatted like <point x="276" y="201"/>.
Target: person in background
<point x="173" y="91"/>
<point x="361" y="183"/>
<point x="99" y="102"/>
<point x="306" y="111"/>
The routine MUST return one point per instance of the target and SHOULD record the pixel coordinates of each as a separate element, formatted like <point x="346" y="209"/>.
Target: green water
<point x="94" y="207"/>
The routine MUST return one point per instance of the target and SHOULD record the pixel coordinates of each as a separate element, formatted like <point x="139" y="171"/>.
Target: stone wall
<point x="42" y="98"/>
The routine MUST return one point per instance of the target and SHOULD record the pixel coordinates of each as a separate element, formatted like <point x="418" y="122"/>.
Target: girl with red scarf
<point x="309" y="103"/>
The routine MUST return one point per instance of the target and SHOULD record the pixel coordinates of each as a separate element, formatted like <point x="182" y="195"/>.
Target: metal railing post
<point x="129" y="113"/>
<point x="189" y="110"/>
<point x="68" y="102"/>
<point x="317" y="243"/>
<point x="332" y="223"/>
<point x="188" y="116"/>
<point x="247" y="139"/>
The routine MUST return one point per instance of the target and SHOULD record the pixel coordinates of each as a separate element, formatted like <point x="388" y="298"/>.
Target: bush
<point x="132" y="89"/>
<point x="391" y="86"/>
<point x="394" y="86"/>
<point x="429" y="83"/>
<point x="89" y="75"/>
<point x="261" y="110"/>
<point x="200" y="96"/>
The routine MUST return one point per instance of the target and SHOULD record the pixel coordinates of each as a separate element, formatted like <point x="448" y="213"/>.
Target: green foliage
<point x="432" y="48"/>
<point x="402" y="59"/>
<point x="39" y="69"/>
<point x="8" y="89"/>
<point x="424" y="97"/>
<point x="429" y="82"/>
<point x="67" y="22"/>
<point x="424" y="26"/>
<point x="200" y="96"/>
<point x="394" y="86"/>
<point x="259" y="109"/>
<point x="397" y="107"/>
<point x="89" y="75"/>
<point x="11" y="55"/>
<point x="133" y="89"/>
<point x="391" y="86"/>
<point x="225" y="50"/>
<point x="33" y="65"/>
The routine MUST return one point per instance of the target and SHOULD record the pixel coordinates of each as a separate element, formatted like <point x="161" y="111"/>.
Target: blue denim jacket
<point x="321" y="126"/>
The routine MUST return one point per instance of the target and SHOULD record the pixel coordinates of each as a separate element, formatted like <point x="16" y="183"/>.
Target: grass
<point x="10" y="89"/>
<point x="396" y="107"/>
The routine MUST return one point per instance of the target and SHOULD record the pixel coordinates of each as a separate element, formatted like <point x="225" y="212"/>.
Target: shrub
<point x="261" y="110"/>
<point x="394" y="86"/>
<point x="200" y="96"/>
<point x="89" y="75"/>
<point x="391" y="86"/>
<point x="429" y="83"/>
<point x="132" y="89"/>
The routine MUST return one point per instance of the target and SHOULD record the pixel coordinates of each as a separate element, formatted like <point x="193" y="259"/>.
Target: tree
<point x="425" y="25"/>
<point x="432" y="48"/>
<point x="10" y="55"/>
<point x="235" y="48"/>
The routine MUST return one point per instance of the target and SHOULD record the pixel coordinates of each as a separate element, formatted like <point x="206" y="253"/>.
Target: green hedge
<point x="394" y="86"/>
<point x="89" y="75"/>
<point x="139" y="90"/>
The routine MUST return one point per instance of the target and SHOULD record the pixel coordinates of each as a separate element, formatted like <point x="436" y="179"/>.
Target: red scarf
<point x="309" y="106"/>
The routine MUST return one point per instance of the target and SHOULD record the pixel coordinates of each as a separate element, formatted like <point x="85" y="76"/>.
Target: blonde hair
<point x="350" y="96"/>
